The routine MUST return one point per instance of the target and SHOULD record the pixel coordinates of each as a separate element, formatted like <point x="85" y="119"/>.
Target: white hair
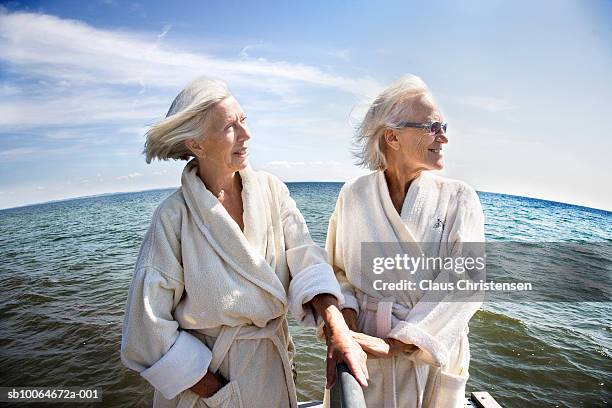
<point x="185" y="120"/>
<point x="392" y="106"/>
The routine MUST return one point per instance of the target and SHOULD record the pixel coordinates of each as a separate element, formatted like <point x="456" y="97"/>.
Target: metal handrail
<point x="347" y="392"/>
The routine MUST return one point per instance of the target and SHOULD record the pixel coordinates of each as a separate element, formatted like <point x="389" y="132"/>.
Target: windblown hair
<point x="392" y="106"/>
<point x="186" y="119"/>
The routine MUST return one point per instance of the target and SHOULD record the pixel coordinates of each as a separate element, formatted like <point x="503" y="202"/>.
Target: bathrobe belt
<point x="227" y="335"/>
<point x="386" y="310"/>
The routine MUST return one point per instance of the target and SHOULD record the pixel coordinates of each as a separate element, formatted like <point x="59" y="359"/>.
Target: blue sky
<point x="525" y="87"/>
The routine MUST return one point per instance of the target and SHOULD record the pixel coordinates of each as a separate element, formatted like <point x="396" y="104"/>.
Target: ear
<point x="194" y="147"/>
<point x="391" y="139"/>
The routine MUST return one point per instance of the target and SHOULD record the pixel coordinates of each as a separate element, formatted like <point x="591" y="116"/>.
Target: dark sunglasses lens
<point x="435" y="128"/>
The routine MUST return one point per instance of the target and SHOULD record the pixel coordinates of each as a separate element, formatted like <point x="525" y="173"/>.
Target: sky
<point x="524" y="85"/>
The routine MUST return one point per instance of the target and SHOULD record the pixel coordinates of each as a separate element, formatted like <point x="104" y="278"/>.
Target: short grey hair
<point x="186" y="119"/>
<point x="392" y="106"/>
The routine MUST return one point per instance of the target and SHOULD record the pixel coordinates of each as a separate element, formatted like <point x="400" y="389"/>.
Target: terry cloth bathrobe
<point x="206" y="296"/>
<point x="437" y="216"/>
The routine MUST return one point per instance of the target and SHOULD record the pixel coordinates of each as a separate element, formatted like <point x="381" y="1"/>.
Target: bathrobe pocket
<point x="226" y="397"/>
<point x="452" y="390"/>
<point x="453" y="378"/>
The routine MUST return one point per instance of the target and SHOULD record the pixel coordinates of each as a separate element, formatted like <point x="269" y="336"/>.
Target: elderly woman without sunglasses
<point x="418" y="352"/>
<point x="224" y="259"/>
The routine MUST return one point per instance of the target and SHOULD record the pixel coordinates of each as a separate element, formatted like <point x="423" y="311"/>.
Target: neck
<point x="399" y="178"/>
<point x="218" y="181"/>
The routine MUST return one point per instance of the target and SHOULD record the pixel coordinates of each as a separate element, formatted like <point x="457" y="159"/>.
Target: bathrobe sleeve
<point x="311" y="275"/>
<point x="153" y="344"/>
<point x="433" y="325"/>
<point x="335" y="256"/>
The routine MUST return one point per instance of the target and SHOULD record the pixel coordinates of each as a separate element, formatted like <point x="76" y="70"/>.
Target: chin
<point x="242" y="165"/>
<point x="437" y="166"/>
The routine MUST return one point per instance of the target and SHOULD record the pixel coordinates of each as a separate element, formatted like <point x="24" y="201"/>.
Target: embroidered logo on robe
<point x="439" y="224"/>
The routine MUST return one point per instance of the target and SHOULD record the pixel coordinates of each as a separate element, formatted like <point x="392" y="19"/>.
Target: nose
<point x="441" y="137"/>
<point x="244" y="133"/>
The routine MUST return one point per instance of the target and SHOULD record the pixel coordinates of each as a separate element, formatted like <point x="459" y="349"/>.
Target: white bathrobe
<point x="206" y="296"/>
<point x="437" y="216"/>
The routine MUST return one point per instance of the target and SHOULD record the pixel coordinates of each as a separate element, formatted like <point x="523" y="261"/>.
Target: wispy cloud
<point x="129" y="176"/>
<point x="76" y="108"/>
<point x="48" y="46"/>
<point x="26" y="154"/>
<point x="164" y="32"/>
<point x="244" y="52"/>
<point x="77" y="86"/>
<point x="16" y="154"/>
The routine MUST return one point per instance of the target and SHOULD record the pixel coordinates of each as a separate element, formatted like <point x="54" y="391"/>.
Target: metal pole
<point x="347" y="392"/>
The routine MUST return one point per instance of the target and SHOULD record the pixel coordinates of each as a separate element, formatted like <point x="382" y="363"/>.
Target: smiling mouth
<point x="242" y="152"/>
<point x="435" y="150"/>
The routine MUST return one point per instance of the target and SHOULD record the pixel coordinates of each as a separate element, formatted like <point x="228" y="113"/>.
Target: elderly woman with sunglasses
<point x="418" y="352"/>
<point x="225" y="258"/>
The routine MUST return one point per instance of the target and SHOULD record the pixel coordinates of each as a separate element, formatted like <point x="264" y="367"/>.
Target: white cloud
<point x="78" y="109"/>
<point x="24" y="154"/>
<point x="244" y="52"/>
<point x="65" y="134"/>
<point x="16" y="153"/>
<point x="164" y="32"/>
<point x="9" y="90"/>
<point x="77" y="86"/>
<point x="130" y="176"/>
<point x="48" y="46"/>
<point x="284" y="163"/>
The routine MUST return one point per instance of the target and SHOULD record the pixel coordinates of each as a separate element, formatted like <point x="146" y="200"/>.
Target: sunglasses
<point x="433" y="128"/>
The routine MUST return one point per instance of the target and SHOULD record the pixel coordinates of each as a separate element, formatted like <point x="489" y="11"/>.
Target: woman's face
<point x="417" y="147"/>
<point x="227" y="137"/>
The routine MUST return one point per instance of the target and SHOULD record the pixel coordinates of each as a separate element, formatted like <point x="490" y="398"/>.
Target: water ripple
<point x="68" y="265"/>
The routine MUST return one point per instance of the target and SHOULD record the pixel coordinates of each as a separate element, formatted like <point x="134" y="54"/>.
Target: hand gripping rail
<point x="347" y="392"/>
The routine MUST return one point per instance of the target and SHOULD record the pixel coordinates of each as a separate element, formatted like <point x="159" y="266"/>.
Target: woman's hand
<point x="209" y="385"/>
<point x="341" y="347"/>
<point x="376" y="347"/>
<point x="350" y="318"/>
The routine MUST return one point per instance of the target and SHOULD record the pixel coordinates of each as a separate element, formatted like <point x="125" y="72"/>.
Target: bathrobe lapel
<point x="244" y="252"/>
<point x="403" y="234"/>
<point x="411" y="225"/>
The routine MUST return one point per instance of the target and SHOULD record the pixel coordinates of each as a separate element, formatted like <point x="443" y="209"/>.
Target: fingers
<point x="357" y="365"/>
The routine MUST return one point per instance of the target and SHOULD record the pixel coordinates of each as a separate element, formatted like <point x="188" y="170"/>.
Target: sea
<point x="65" y="270"/>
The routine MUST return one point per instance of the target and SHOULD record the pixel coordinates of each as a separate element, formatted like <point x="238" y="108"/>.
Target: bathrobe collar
<point x="244" y="252"/>
<point x="398" y="221"/>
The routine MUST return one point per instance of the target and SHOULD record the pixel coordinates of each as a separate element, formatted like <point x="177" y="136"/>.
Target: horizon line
<point x="59" y="200"/>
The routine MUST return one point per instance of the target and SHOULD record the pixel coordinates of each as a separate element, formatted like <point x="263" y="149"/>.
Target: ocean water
<point x="66" y="268"/>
